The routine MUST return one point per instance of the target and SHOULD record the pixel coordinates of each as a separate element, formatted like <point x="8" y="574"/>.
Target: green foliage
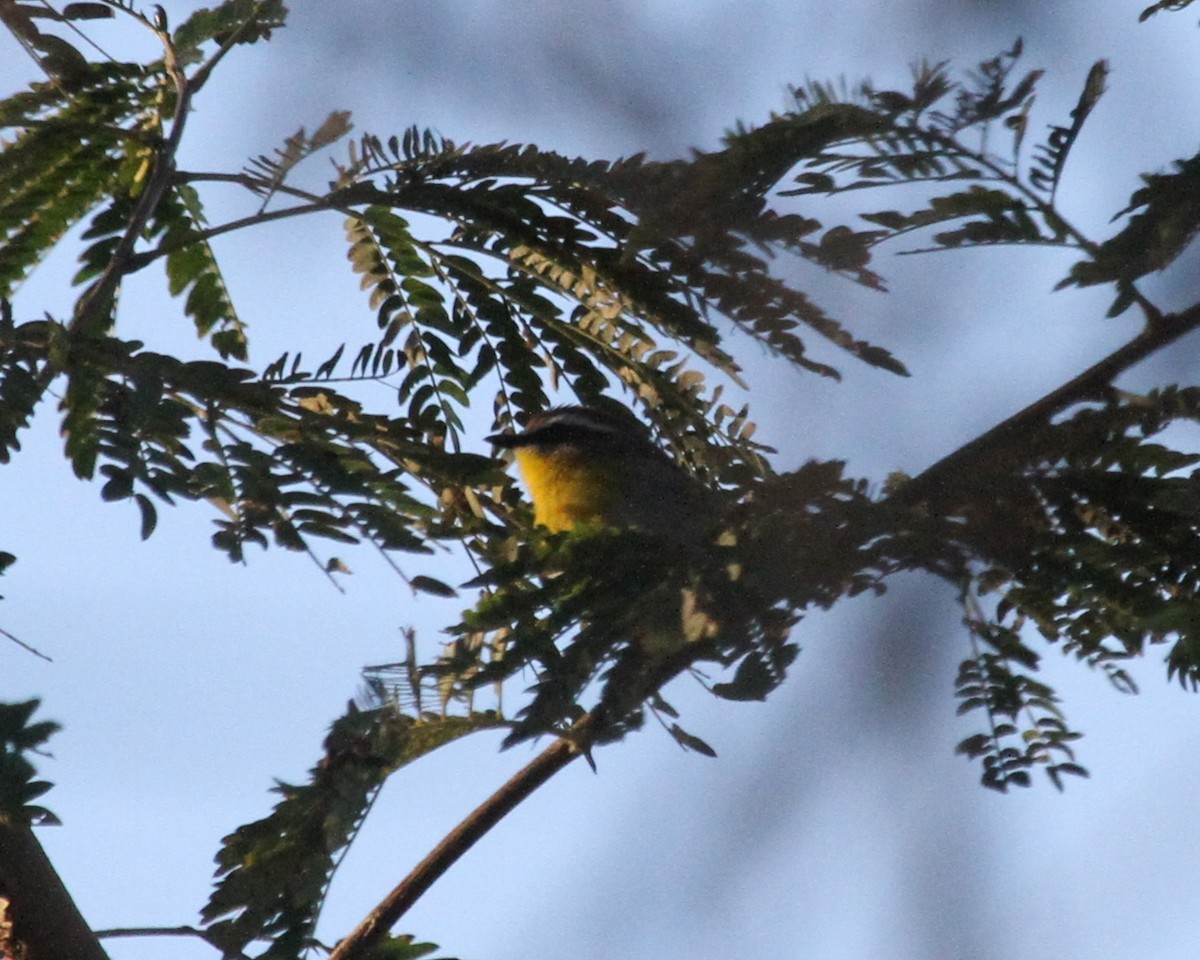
<point x="1166" y="223"/>
<point x="1164" y="5"/>
<point x="18" y="786"/>
<point x="233" y="21"/>
<point x="192" y="269"/>
<point x="921" y="144"/>
<point x="1051" y="158"/>
<point x="274" y="872"/>
<point x="527" y="271"/>
<point x="403" y="947"/>
<point x="20" y="386"/>
<point x="58" y="58"/>
<point x="1008" y="751"/>
<point x="1094" y="542"/>
<point x="297" y="148"/>
<point x="508" y="274"/>
<point x="72" y="142"/>
<point x="160" y="429"/>
<point x="564" y="606"/>
<point x="587" y="614"/>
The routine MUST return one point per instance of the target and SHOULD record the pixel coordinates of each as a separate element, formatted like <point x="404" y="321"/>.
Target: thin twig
<point x="180" y="931"/>
<point x="141" y="260"/>
<point x="183" y="931"/>
<point x="21" y="643"/>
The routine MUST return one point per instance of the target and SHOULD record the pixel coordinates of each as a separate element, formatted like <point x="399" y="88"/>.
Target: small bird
<point x="587" y="467"/>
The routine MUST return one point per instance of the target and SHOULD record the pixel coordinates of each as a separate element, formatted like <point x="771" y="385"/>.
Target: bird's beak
<point x="505" y="440"/>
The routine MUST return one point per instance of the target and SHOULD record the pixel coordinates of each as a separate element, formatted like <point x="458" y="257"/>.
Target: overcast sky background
<point x="836" y="823"/>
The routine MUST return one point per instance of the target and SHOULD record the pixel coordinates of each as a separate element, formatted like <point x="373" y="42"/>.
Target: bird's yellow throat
<point x="569" y="487"/>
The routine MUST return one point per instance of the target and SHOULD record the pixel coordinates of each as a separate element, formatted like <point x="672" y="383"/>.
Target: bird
<point x="587" y="467"/>
<point x="589" y="470"/>
<point x="682" y="593"/>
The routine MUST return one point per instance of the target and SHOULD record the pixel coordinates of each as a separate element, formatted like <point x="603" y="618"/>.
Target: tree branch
<point x="954" y="470"/>
<point x="495" y="808"/>
<point x="457" y="842"/>
<point x="184" y="931"/>
<point x="94" y="305"/>
<point x="45" y="920"/>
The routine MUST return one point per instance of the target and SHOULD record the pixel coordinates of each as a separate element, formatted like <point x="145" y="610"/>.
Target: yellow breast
<point x="568" y="488"/>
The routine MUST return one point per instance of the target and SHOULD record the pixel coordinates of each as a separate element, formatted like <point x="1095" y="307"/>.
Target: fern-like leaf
<point x="1165" y="220"/>
<point x="274" y="872"/>
<point x="192" y="269"/>
<point x="1050" y="158"/>
<point x="239" y="21"/>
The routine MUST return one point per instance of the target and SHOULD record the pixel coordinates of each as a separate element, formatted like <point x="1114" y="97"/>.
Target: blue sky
<point x="836" y="822"/>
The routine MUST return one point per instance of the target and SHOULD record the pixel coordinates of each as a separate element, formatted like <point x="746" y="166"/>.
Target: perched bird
<point x="589" y="467"/>
<point x="682" y="594"/>
<point x="592" y="468"/>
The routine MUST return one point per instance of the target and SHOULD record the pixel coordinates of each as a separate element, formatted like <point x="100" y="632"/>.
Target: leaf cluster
<point x="72" y="144"/>
<point x="58" y="58"/>
<point x="230" y="22"/>
<point x="273" y="873"/>
<point x="594" y="615"/>
<point x="283" y="463"/>
<point x="1084" y="533"/>
<point x="1165" y="218"/>
<point x="1026" y="728"/>
<point x="549" y="271"/>
<point x="18" y="784"/>
<point x="502" y="275"/>
<point x="1095" y="539"/>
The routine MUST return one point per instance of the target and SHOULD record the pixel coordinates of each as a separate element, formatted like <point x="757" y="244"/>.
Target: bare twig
<point x="457" y="842"/>
<point x="21" y="643"/>
<point x="115" y="933"/>
<point x="183" y="931"/>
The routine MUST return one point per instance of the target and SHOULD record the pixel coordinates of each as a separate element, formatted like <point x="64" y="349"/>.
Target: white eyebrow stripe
<point x="575" y="418"/>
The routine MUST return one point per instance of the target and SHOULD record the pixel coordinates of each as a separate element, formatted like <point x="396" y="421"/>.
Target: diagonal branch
<point x="576" y="743"/>
<point x="375" y="926"/>
<point x="949" y="474"/>
<point x="46" y="922"/>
